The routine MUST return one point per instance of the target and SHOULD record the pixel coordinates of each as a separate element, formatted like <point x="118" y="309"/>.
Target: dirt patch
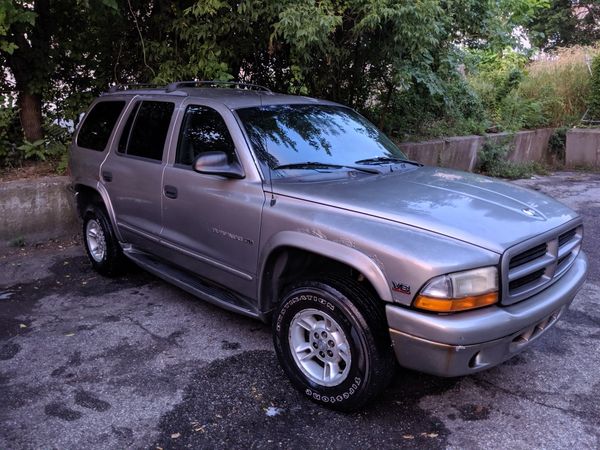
<point x="29" y="170"/>
<point x="24" y="248"/>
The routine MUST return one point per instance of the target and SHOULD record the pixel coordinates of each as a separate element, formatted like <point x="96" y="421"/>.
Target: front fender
<point x="331" y="249"/>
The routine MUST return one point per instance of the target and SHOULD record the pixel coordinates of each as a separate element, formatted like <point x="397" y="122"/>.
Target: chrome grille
<point x="566" y="237"/>
<point x="523" y="258"/>
<point x="532" y="266"/>
<point x="527" y="279"/>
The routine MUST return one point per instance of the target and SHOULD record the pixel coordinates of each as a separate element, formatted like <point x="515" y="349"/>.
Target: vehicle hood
<point x="483" y="211"/>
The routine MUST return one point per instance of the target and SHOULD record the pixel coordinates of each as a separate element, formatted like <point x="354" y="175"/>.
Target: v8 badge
<point x="400" y="287"/>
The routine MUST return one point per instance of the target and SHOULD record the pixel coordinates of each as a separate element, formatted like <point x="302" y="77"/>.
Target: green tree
<point x="351" y="51"/>
<point x="594" y="100"/>
<point x="26" y="39"/>
<point x="58" y="54"/>
<point x="384" y="57"/>
<point x="566" y="23"/>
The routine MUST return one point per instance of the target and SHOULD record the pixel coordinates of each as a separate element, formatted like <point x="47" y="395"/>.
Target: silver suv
<point x="301" y="212"/>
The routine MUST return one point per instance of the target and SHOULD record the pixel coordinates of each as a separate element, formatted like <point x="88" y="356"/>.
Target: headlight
<point x="460" y="291"/>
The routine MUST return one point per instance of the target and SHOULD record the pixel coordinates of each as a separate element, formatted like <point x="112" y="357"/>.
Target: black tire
<point x="360" y="316"/>
<point x="111" y="261"/>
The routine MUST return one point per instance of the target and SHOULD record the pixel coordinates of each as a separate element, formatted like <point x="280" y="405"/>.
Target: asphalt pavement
<point x="132" y="362"/>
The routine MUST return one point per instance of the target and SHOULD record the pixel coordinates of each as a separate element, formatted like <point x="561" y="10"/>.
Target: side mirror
<point x="216" y="163"/>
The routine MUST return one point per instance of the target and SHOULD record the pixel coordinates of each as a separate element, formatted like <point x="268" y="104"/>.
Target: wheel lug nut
<point x="330" y="343"/>
<point x="316" y="335"/>
<point x="322" y="354"/>
<point x="329" y="353"/>
<point x="323" y="334"/>
<point x="315" y="345"/>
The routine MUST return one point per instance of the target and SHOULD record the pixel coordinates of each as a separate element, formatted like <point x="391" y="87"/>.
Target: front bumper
<point x="464" y="343"/>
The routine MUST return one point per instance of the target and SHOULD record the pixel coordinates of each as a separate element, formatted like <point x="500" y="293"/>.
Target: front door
<point x="211" y="223"/>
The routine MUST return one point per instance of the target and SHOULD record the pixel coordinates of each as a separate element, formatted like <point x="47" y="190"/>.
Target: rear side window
<point x="203" y="130"/>
<point x="146" y="130"/>
<point x="98" y="125"/>
<point x="127" y="129"/>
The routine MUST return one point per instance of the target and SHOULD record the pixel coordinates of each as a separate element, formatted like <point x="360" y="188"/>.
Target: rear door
<point x="132" y="173"/>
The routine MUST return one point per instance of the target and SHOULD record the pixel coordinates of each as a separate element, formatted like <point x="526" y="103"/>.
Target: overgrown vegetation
<point x="594" y="95"/>
<point x="560" y="82"/>
<point x="493" y="161"/>
<point x="550" y="91"/>
<point x="417" y="69"/>
<point x="15" y="149"/>
<point x="557" y="145"/>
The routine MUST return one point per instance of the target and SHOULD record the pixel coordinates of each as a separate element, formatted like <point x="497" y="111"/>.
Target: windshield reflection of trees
<point x="276" y="131"/>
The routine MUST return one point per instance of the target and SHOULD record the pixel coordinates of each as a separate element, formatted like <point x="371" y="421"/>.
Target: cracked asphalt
<point x="90" y="362"/>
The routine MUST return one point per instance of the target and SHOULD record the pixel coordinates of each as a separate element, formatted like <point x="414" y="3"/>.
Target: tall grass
<point x="505" y="92"/>
<point x="560" y="83"/>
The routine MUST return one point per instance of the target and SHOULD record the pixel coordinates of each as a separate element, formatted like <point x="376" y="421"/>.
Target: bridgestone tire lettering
<point x="362" y="319"/>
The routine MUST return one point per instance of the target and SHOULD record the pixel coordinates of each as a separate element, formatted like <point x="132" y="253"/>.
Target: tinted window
<point x="127" y="129"/>
<point x="98" y="125"/>
<point x="292" y="134"/>
<point x="149" y="131"/>
<point x="203" y="130"/>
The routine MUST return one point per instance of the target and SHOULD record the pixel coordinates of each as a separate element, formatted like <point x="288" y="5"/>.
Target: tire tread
<point x="369" y="312"/>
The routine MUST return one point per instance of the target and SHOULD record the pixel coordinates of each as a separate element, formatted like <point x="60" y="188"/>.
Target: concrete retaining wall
<point x="462" y="152"/>
<point x="428" y="152"/>
<point x="531" y="145"/>
<point x="583" y="147"/>
<point x="35" y="210"/>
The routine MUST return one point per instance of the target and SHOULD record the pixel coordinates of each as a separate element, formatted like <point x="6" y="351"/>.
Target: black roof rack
<point x="171" y="87"/>
<point x="124" y="87"/>
<point x="215" y="83"/>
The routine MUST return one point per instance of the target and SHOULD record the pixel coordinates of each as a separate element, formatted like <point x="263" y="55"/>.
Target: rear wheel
<point x="101" y="244"/>
<point x="332" y="341"/>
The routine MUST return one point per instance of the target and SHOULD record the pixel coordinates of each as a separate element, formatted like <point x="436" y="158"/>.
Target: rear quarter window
<point x="98" y="125"/>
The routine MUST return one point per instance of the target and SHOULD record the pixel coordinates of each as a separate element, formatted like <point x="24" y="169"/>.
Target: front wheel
<point x="332" y="341"/>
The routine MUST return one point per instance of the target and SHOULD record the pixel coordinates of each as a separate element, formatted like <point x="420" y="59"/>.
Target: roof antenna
<point x="266" y="145"/>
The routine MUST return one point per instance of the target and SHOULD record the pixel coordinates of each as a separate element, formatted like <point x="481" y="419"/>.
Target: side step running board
<point x="193" y="284"/>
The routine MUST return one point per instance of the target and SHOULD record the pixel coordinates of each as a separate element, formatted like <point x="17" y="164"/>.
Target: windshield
<point x="288" y="138"/>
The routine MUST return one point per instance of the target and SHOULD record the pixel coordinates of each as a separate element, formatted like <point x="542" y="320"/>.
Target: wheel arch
<point x="289" y="255"/>
<point x="86" y="195"/>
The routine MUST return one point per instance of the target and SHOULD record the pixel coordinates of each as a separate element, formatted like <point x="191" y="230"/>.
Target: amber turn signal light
<point x="455" y="304"/>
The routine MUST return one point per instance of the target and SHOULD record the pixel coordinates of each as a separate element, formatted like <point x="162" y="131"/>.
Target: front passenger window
<point x="203" y="130"/>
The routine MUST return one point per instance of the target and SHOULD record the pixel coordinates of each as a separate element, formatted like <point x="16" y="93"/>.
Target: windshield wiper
<point x="322" y="165"/>
<point x="386" y="160"/>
